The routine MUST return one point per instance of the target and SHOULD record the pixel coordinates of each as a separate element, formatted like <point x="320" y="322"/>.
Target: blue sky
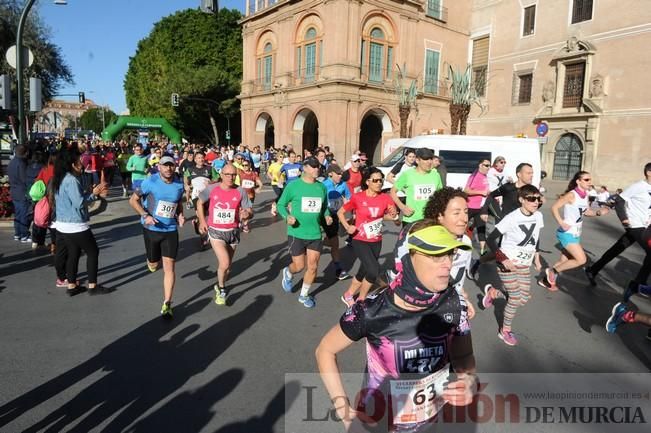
<point x="97" y="37"/>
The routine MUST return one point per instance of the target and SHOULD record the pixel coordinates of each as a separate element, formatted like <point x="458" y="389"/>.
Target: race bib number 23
<point x="311" y="204"/>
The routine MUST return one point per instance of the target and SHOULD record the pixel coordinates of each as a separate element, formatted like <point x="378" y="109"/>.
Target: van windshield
<point x="395" y="157"/>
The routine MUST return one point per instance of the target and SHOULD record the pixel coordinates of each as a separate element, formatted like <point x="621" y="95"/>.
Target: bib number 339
<point x="311" y="204"/>
<point x="418" y="400"/>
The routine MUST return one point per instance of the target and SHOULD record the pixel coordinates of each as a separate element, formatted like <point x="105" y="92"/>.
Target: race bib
<point x="165" y="209"/>
<point x="293" y="172"/>
<point x="311" y="204"/>
<point x="418" y="400"/>
<point x="521" y="256"/>
<point x="424" y="192"/>
<point x="248" y="184"/>
<point x="373" y="229"/>
<point x="223" y="216"/>
<point x="357" y="189"/>
<point x="575" y="230"/>
<point x="199" y="184"/>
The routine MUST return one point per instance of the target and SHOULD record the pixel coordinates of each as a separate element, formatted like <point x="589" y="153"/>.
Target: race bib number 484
<point x="311" y="204"/>
<point x="165" y="209"/>
<point x="418" y="400"/>
<point x="424" y="192"/>
<point x="223" y="216"/>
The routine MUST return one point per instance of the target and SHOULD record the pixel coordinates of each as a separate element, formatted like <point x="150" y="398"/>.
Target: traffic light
<point x="5" y="92"/>
<point x="175" y="99"/>
<point x="82" y="98"/>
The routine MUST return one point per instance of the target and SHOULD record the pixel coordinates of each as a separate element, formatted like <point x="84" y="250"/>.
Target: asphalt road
<point x="109" y="363"/>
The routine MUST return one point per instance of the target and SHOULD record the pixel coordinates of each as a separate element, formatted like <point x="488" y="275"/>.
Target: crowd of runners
<point x="421" y="298"/>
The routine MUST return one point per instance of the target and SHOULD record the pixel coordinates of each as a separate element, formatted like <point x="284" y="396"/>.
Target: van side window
<point x="459" y="161"/>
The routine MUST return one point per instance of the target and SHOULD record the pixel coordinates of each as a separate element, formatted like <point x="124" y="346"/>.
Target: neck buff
<point x="405" y="285"/>
<point x="580" y="192"/>
<point x="498" y="168"/>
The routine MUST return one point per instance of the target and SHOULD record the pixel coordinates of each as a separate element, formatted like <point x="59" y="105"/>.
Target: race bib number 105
<point x="424" y="192"/>
<point x="418" y="400"/>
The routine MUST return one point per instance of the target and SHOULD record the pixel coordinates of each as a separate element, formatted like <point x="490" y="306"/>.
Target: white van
<point x="461" y="155"/>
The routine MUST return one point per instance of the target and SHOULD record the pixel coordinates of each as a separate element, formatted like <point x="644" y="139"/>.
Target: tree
<point x="198" y="56"/>
<point x="97" y="119"/>
<point x="406" y="94"/>
<point x="463" y="94"/>
<point x="48" y="64"/>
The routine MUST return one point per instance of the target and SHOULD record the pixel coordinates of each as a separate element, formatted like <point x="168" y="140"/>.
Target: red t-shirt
<point x="210" y="156"/>
<point x="248" y="181"/>
<point x="369" y="213"/>
<point x="46" y="174"/>
<point x="354" y="182"/>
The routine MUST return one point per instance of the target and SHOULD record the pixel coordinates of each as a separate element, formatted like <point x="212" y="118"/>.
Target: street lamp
<point x="19" y="67"/>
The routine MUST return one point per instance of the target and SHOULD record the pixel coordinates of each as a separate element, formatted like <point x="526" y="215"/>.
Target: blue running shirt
<point x="161" y="199"/>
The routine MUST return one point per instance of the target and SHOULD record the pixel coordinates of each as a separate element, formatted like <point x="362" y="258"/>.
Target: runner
<point x="227" y="205"/>
<point x="338" y="193"/>
<point x="273" y="173"/>
<point x="575" y="206"/>
<point x="401" y="167"/>
<point x="622" y="314"/>
<point x="633" y="207"/>
<point x="137" y="166"/>
<point x="125" y="176"/>
<point x="418" y="184"/>
<point x="520" y="233"/>
<point x="291" y="170"/>
<point x="251" y="183"/>
<point x="161" y="212"/>
<point x="371" y="207"/>
<point x="477" y="190"/>
<point x="353" y="175"/>
<point x="309" y="206"/>
<point x="197" y="178"/>
<point x="422" y="316"/>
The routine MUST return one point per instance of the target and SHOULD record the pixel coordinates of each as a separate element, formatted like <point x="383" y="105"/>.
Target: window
<point x="480" y="64"/>
<point x="306" y="56"/>
<point x="458" y="161"/>
<point x="581" y="10"/>
<point x="264" y="67"/>
<point x="522" y="83"/>
<point x="434" y="9"/>
<point x="529" y="23"/>
<point x="573" y="86"/>
<point x="432" y="72"/>
<point x="377" y="63"/>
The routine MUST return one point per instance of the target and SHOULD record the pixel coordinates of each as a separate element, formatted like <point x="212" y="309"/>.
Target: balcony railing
<point x="435" y="88"/>
<point x="434" y="9"/>
<point x="263" y="84"/>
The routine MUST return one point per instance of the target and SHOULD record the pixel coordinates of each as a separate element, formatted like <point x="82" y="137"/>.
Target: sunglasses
<point x="229" y="174"/>
<point x="377" y="180"/>
<point x="533" y="198"/>
<point x="238" y="159"/>
<point x="586" y="180"/>
<point x="245" y="165"/>
<point x="485" y="165"/>
<point x="501" y="162"/>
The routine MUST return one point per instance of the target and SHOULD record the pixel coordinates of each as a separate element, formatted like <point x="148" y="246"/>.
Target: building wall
<point x="341" y="95"/>
<point x="613" y="124"/>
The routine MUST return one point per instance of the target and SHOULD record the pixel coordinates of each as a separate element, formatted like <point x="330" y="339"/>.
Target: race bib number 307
<point x="418" y="400"/>
<point x="311" y="204"/>
<point x="424" y="192"/>
<point x="165" y="209"/>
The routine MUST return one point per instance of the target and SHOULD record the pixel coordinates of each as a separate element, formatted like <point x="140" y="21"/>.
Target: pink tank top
<point x="224" y="211"/>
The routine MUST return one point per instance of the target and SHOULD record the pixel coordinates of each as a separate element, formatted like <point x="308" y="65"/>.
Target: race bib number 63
<point x="418" y="400"/>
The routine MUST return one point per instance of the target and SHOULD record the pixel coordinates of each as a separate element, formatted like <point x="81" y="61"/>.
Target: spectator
<point x="17" y="171"/>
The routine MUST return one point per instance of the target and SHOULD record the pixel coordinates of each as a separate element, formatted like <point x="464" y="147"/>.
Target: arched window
<point x="265" y="67"/>
<point x="307" y="51"/>
<point x="377" y="63"/>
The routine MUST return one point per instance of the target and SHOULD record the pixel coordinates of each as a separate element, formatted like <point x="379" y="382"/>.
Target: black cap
<point x="424" y="153"/>
<point x="312" y="162"/>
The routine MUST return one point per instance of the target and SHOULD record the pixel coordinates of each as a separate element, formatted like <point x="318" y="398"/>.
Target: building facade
<point x="579" y="66"/>
<point x="57" y="115"/>
<point x="322" y="72"/>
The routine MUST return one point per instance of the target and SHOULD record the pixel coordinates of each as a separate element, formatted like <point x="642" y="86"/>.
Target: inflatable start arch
<point x="132" y="122"/>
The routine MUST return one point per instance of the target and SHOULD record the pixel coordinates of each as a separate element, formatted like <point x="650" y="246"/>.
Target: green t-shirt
<point x="418" y="187"/>
<point x="122" y="159"/>
<point x="309" y="205"/>
<point x="137" y="165"/>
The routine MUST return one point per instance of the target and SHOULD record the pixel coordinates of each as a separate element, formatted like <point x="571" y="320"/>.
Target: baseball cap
<point x="424" y="153"/>
<point x="354" y="158"/>
<point x="167" y="160"/>
<point x="312" y="162"/>
<point x="434" y="240"/>
<point x="334" y="168"/>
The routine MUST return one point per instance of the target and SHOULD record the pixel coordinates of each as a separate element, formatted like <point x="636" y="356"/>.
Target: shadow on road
<point x="143" y="369"/>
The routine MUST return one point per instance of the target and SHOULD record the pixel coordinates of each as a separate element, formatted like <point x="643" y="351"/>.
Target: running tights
<point x="630" y="237"/>
<point x="368" y="254"/>
<point x="517" y="284"/>
<point x="478" y="224"/>
<point x="75" y="242"/>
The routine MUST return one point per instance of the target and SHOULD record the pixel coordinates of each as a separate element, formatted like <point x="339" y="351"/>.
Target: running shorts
<point x="229" y="237"/>
<point x="566" y="238"/>
<point x="298" y="247"/>
<point x="157" y="244"/>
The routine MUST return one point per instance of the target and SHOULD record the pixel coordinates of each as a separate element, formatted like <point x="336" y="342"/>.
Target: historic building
<point x="57" y="115"/>
<point x="321" y="72"/>
<point x="582" y="67"/>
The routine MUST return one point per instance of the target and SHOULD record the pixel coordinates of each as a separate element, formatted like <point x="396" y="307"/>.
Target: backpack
<point x="37" y="191"/>
<point x="42" y="213"/>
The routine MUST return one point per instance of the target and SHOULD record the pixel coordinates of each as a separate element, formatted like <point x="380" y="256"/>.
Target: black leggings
<point x="478" y="224"/>
<point x="630" y="237"/>
<point x="368" y="254"/>
<point x="61" y="258"/>
<point x="75" y="242"/>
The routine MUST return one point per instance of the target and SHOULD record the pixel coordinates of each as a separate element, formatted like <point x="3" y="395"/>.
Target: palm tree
<point x="406" y="95"/>
<point x="463" y="93"/>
